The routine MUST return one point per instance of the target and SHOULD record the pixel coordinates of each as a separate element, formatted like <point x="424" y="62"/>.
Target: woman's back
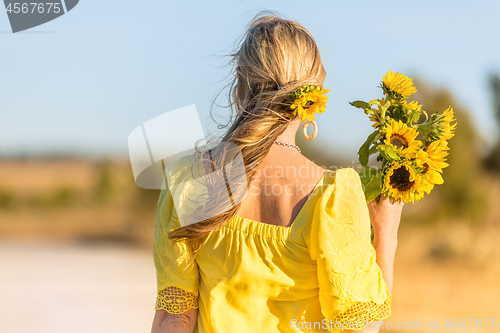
<point x="284" y="181"/>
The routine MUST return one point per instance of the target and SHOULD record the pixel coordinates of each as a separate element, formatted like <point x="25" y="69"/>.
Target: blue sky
<point x="81" y="83"/>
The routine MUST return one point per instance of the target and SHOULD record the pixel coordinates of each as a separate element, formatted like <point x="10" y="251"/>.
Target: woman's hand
<point x="385" y="216"/>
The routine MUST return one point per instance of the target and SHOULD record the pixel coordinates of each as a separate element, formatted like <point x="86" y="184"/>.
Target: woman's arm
<point x="165" y="322"/>
<point x="385" y="218"/>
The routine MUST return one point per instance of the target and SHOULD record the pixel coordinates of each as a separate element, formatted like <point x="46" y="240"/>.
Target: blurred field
<point x="76" y="229"/>
<point x="76" y="199"/>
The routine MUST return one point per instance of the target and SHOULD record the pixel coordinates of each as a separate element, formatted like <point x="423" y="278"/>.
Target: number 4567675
<point x="471" y="323"/>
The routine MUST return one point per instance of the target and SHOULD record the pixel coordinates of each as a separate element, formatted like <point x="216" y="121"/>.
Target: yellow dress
<point x="314" y="276"/>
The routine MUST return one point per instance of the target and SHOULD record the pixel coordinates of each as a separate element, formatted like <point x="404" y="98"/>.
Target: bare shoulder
<point x="314" y="168"/>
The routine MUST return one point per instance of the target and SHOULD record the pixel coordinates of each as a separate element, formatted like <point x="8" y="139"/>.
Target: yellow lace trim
<point x="361" y="313"/>
<point x="175" y="300"/>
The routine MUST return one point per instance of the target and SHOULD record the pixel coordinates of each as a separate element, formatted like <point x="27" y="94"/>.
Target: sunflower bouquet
<point x="413" y="152"/>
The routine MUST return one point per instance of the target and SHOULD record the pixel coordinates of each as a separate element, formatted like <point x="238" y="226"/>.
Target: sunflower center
<point x="400" y="179"/>
<point x="426" y="168"/>
<point x="399" y="141"/>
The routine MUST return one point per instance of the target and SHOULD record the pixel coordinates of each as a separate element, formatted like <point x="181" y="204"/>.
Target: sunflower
<point x="403" y="182"/>
<point x="443" y="145"/>
<point x="448" y="130"/>
<point x="399" y="84"/>
<point x="402" y="137"/>
<point x="414" y="106"/>
<point x="431" y="175"/>
<point x="433" y="158"/>
<point x="375" y="116"/>
<point x="436" y="155"/>
<point x="309" y="101"/>
<point x="432" y="162"/>
<point x="440" y="127"/>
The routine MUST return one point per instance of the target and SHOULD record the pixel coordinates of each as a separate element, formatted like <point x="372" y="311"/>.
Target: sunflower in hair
<point x="307" y="101"/>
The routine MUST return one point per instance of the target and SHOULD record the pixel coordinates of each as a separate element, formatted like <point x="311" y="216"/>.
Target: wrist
<point x="386" y="239"/>
<point x="386" y="234"/>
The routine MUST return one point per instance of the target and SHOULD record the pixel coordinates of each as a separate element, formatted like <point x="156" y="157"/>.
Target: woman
<point x="295" y="260"/>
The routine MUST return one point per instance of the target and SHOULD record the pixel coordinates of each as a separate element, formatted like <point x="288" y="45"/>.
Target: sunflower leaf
<point x="416" y="117"/>
<point x="389" y="152"/>
<point x="364" y="149"/>
<point x="371" y="179"/>
<point x="374" y="188"/>
<point x="366" y="174"/>
<point x="361" y="105"/>
<point x="372" y="150"/>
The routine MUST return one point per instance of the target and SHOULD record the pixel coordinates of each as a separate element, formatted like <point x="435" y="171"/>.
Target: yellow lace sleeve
<point x="361" y="313"/>
<point x="176" y="272"/>
<point x="175" y="300"/>
<point x="351" y="287"/>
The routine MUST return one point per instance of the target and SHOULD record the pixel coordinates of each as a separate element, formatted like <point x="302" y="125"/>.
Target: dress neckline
<point x="278" y="228"/>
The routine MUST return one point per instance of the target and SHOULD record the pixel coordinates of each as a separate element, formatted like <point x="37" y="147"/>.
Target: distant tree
<point x="103" y="188"/>
<point x="495" y="90"/>
<point x="492" y="160"/>
<point x="462" y="195"/>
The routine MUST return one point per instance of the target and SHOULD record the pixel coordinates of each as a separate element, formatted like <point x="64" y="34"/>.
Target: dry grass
<point x="75" y="199"/>
<point x="460" y="282"/>
<point x="35" y="176"/>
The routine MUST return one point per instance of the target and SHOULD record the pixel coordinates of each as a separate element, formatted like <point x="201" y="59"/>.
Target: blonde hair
<point x="275" y="57"/>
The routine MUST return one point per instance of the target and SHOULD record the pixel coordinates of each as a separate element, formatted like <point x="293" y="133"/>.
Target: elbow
<point x="174" y="323"/>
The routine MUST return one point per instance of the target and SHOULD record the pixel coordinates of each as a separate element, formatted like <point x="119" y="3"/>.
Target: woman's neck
<point x="288" y="135"/>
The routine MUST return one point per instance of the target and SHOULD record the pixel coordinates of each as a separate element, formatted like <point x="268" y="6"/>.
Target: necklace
<point x="286" y="144"/>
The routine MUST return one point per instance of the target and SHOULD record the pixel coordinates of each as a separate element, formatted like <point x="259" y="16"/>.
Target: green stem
<point x="424" y="128"/>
